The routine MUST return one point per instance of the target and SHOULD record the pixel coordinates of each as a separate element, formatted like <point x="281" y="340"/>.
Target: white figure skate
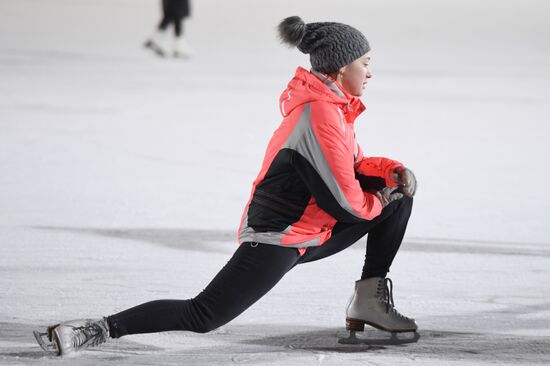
<point x="68" y="337"/>
<point x="372" y="304"/>
<point x="156" y="43"/>
<point x="182" y="49"/>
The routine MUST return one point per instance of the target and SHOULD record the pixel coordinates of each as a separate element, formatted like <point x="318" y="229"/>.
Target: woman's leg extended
<point x="252" y="271"/>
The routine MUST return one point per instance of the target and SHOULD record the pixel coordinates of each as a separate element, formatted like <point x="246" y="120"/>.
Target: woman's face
<point x="354" y="77"/>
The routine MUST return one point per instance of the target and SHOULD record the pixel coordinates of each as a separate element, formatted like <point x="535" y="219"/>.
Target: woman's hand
<point x="406" y="179"/>
<point x="388" y="195"/>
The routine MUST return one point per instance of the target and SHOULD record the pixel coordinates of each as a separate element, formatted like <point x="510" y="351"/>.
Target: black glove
<point x="406" y="179"/>
<point x="387" y="195"/>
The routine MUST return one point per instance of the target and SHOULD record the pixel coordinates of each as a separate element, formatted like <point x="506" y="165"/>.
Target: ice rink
<point x="123" y="177"/>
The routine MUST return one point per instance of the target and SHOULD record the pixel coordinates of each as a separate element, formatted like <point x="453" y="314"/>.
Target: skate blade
<point x="45" y="343"/>
<point x="182" y="55"/>
<point x="155" y="48"/>
<point x="379" y="339"/>
<point x="359" y="326"/>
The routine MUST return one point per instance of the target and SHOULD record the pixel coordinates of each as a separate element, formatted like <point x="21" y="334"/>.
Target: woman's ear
<point x="340" y="73"/>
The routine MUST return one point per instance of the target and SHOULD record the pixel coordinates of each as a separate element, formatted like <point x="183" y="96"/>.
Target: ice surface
<point x="123" y="177"/>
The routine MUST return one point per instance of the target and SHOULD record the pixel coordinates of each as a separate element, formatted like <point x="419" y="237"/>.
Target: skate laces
<point x="91" y="334"/>
<point x="385" y="293"/>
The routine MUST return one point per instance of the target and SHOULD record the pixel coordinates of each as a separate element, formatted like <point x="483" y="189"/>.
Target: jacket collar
<point x="309" y="86"/>
<point x="353" y="106"/>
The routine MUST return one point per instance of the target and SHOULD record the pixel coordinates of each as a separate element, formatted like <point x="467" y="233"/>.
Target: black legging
<point x="254" y="269"/>
<point x="174" y="11"/>
<point x="165" y="22"/>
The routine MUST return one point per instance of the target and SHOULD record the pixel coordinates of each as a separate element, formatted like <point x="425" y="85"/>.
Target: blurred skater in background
<point x="174" y="12"/>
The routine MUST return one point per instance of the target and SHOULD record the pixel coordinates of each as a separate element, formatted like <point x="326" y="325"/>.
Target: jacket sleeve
<point x="325" y="163"/>
<point x="376" y="167"/>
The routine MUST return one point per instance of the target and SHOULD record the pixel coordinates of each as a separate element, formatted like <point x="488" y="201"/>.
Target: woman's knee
<point x="207" y="316"/>
<point x="407" y="201"/>
<point x="205" y="328"/>
<point x="405" y="206"/>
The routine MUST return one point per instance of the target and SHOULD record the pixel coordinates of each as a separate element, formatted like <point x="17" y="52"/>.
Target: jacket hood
<point x="311" y="86"/>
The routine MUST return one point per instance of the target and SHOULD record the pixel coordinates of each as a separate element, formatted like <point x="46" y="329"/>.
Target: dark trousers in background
<point x="254" y="269"/>
<point x="174" y="11"/>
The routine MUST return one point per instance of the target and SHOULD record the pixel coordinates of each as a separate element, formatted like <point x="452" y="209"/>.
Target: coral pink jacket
<point x="309" y="177"/>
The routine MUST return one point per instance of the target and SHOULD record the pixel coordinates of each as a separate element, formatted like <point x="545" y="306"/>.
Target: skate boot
<point x="74" y="335"/>
<point x="372" y="304"/>
<point x="182" y="49"/>
<point x="155" y="43"/>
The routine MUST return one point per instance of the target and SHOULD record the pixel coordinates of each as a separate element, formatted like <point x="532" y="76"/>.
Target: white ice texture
<point x="123" y="176"/>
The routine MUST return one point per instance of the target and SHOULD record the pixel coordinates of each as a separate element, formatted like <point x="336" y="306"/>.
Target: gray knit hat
<point x="329" y="45"/>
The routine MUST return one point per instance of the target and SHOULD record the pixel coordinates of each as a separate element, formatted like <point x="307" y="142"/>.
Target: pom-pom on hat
<point x="330" y="45"/>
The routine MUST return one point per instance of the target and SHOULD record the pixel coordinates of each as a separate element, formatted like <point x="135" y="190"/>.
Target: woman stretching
<point x="315" y="195"/>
